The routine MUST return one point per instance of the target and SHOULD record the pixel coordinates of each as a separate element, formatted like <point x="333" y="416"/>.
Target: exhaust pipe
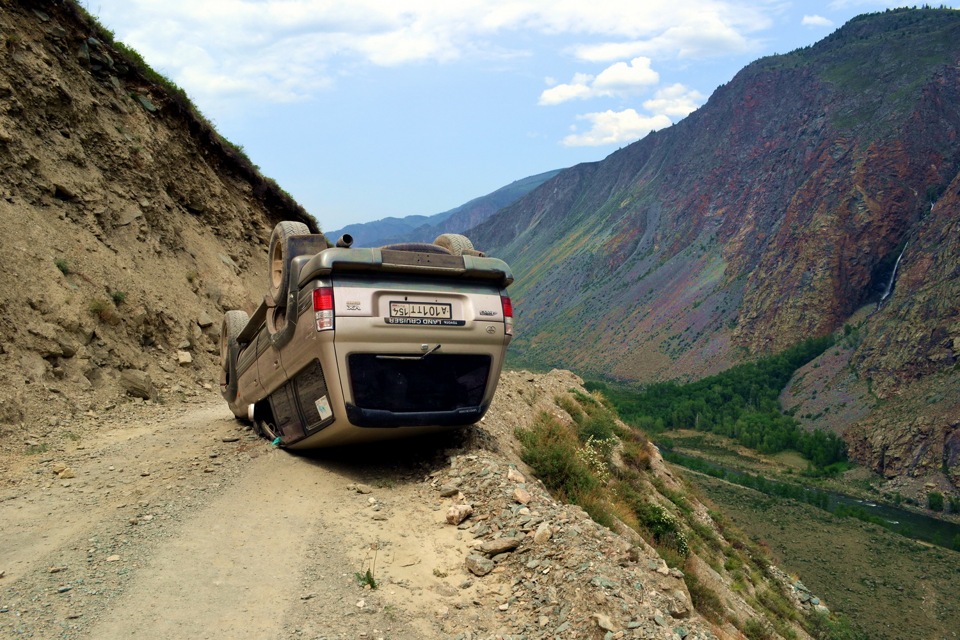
<point x="345" y="241"/>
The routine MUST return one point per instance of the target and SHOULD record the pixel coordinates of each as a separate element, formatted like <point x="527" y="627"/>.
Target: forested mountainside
<point x="417" y="228"/>
<point x="816" y="192"/>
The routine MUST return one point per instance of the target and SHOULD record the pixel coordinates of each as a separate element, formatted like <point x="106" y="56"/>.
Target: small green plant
<point x="366" y="579"/>
<point x="70" y="435"/>
<point x="439" y="573"/>
<point x="104" y="311"/>
<point x="118" y="297"/>
<point x="192" y="276"/>
<point x="62" y="265"/>
<point x="36" y="449"/>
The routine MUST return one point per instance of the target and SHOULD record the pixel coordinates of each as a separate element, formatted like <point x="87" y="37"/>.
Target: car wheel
<point x="454" y="243"/>
<point x="233" y="323"/>
<point x="277" y="258"/>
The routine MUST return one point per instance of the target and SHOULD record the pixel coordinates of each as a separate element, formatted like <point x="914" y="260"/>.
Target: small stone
<point x="230" y="439"/>
<point x="204" y="320"/>
<point x="478" y="565"/>
<point x="500" y="545"/>
<point x="543" y="533"/>
<point x="308" y="596"/>
<point x="363" y="489"/>
<point x="64" y="589"/>
<point x="112" y="558"/>
<point x="504" y="606"/>
<point x="515" y="476"/>
<point x="521" y="496"/>
<point x="184" y="358"/>
<point x="56" y="569"/>
<point x="458" y="513"/>
<point x="448" y="491"/>
<point x="66" y="474"/>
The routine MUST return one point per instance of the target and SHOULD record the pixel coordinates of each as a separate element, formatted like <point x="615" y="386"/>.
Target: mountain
<point x="778" y="210"/>
<point x="457" y="220"/>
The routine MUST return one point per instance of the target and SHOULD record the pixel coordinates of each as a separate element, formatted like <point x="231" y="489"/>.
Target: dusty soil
<point x="175" y="521"/>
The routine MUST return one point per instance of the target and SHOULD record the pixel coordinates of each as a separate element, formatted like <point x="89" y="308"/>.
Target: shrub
<point x="550" y="449"/>
<point x="704" y="599"/>
<point x="62" y="265"/>
<point x="935" y="501"/>
<point x="118" y="297"/>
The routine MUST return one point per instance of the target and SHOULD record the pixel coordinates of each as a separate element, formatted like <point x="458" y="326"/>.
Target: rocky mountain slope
<point x="776" y="211"/>
<point x="457" y="220"/>
<point x="131" y="225"/>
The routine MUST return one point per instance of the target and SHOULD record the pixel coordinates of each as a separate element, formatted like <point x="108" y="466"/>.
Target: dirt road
<point x="176" y="522"/>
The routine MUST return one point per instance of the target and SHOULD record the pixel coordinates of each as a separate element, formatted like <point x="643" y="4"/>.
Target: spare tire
<point x="454" y="243"/>
<point x="277" y="258"/>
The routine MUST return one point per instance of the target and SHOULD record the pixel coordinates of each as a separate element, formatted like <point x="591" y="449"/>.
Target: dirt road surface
<point x="177" y="522"/>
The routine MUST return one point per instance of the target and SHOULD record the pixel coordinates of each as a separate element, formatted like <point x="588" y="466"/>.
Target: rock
<point x="458" y="513"/>
<point x="204" y="320"/>
<point x="543" y="533"/>
<point x="66" y="474"/>
<point x="500" y="545"/>
<point x="230" y="439"/>
<point x="113" y="558"/>
<point x="604" y="622"/>
<point x="478" y="565"/>
<point x="448" y="491"/>
<point x="138" y="384"/>
<point x="515" y="476"/>
<point x="184" y="358"/>
<point x="521" y="496"/>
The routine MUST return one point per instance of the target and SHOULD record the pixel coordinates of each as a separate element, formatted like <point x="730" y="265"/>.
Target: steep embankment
<point x="773" y="213"/>
<point x="130" y="224"/>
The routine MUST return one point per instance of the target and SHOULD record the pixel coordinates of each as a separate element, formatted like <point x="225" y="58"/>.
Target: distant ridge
<point x="417" y="228"/>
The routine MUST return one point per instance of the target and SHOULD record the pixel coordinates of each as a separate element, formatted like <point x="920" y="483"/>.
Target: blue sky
<point x="363" y="109"/>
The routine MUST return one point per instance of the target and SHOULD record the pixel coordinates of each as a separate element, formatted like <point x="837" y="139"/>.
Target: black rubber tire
<point x="277" y="258"/>
<point x="233" y="323"/>
<point x="455" y="243"/>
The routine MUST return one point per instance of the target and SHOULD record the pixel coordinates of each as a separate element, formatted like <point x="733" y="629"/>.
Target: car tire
<point x="278" y="258"/>
<point x="233" y="323"/>
<point x="455" y="243"/>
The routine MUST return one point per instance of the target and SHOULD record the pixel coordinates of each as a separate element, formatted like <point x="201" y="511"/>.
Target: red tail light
<point x="323" y="307"/>
<point x="507" y="315"/>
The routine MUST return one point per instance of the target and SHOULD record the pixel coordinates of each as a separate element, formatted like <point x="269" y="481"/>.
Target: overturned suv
<point x="356" y="344"/>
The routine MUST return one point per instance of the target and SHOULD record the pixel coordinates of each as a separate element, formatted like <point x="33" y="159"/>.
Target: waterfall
<point x="893" y="276"/>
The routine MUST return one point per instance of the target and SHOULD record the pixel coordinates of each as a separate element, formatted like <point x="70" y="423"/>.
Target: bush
<point x="550" y="449"/>
<point x="62" y="266"/>
<point x="704" y="599"/>
<point x="118" y="297"/>
<point x="935" y="501"/>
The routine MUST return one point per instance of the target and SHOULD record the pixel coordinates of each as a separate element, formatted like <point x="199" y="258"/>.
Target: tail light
<point x="507" y="315"/>
<point x="323" y="307"/>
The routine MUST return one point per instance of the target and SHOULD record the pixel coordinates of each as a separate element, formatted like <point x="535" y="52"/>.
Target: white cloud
<point x="623" y="77"/>
<point x="675" y="101"/>
<point x="613" y="127"/>
<point x="283" y="50"/>
<point x="619" y="79"/>
<point x="816" y="21"/>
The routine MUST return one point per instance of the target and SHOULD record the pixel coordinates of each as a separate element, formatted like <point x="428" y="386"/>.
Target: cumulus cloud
<point x="816" y="21"/>
<point x="284" y="49"/>
<point x="676" y="101"/>
<point x="616" y="80"/>
<point x="613" y="127"/>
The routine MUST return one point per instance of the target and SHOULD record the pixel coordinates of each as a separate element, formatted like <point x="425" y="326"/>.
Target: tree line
<point x="740" y="403"/>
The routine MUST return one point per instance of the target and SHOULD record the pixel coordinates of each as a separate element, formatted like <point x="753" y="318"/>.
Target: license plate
<point x="420" y="310"/>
